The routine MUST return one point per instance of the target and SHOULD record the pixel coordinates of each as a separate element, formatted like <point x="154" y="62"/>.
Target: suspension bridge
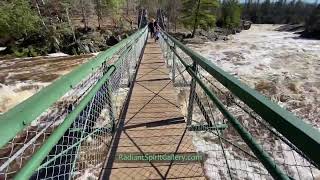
<point x="142" y="97"/>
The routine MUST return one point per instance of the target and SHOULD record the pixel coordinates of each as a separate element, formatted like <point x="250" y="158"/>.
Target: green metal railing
<point x="57" y="133"/>
<point x="206" y="80"/>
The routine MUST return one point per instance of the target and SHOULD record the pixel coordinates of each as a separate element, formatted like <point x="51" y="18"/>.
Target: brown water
<point x="283" y="67"/>
<point x="20" y="78"/>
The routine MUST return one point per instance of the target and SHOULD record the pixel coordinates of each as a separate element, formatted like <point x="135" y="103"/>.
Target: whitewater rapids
<point x="283" y="67"/>
<point x="280" y="65"/>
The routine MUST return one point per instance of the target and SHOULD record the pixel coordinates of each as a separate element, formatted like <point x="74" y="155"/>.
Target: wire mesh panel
<point x="82" y="149"/>
<point x="21" y="148"/>
<point x="228" y="156"/>
<point x="289" y="158"/>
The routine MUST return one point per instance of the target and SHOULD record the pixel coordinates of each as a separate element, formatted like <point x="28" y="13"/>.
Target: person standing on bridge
<point x="157" y="33"/>
<point x="155" y="24"/>
<point x="151" y="27"/>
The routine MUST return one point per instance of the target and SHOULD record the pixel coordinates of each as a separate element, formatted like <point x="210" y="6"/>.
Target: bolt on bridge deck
<point x="153" y="125"/>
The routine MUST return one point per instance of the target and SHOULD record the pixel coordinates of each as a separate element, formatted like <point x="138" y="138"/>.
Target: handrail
<point x="266" y="160"/>
<point x="36" y="159"/>
<point x="302" y="135"/>
<point x="20" y="117"/>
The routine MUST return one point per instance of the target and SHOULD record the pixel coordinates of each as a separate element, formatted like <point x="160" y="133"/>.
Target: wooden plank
<point x="154" y="123"/>
<point x="176" y="171"/>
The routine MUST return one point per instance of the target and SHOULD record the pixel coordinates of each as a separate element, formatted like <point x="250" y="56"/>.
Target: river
<point x="20" y="78"/>
<point x="283" y="67"/>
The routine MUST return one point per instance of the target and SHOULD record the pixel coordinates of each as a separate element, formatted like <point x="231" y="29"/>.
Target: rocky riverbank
<point x="305" y="31"/>
<point x="79" y="42"/>
<point x="218" y="33"/>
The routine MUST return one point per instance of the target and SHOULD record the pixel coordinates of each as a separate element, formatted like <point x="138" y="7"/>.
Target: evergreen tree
<point x="277" y="12"/>
<point x="199" y="13"/>
<point x="114" y="9"/>
<point x="230" y="14"/>
<point x="173" y="10"/>
<point x="17" y="19"/>
<point x="313" y="24"/>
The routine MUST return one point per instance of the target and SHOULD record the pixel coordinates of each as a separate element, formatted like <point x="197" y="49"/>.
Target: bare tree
<point x="98" y="7"/>
<point x="40" y="15"/>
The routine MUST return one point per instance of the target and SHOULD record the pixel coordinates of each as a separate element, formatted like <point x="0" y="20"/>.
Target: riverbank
<point x="302" y="29"/>
<point x="216" y="34"/>
<point x="80" y="42"/>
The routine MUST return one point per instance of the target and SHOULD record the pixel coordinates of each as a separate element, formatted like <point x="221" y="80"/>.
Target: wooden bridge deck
<point x="153" y="124"/>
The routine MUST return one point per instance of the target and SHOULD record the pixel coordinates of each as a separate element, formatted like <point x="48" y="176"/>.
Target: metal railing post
<point x="164" y="46"/>
<point x="192" y="95"/>
<point x="129" y="59"/>
<point x="109" y="101"/>
<point x="168" y="54"/>
<point x="110" y="107"/>
<point x="173" y="64"/>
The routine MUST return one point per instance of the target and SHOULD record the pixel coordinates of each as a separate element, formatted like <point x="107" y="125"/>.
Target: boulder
<point x="245" y="25"/>
<point x="195" y="40"/>
<point x="181" y="35"/>
<point x="112" y="40"/>
<point x="291" y="27"/>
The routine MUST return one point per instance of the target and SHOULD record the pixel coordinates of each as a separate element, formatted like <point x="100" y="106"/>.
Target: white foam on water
<point x="58" y="54"/>
<point x="96" y="53"/>
<point x="12" y="95"/>
<point x="263" y="54"/>
<point x="283" y="67"/>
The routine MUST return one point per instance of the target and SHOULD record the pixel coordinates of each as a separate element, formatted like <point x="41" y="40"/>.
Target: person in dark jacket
<point x="151" y="28"/>
<point x="155" y="24"/>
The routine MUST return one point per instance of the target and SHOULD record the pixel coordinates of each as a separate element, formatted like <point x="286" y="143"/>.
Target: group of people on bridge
<point x="154" y="29"/>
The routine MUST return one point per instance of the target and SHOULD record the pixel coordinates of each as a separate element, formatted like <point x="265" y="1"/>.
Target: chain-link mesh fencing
<point x="82" y="149"/>
<point x="228" y="156"/>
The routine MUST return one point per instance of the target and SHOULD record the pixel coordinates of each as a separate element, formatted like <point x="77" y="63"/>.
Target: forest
<point x="39" y="27"/>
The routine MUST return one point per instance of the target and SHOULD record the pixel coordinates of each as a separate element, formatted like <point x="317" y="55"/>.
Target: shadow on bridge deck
<point x="152" y="123"/>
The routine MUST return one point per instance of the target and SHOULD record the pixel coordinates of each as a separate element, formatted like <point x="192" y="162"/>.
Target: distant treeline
<point x="283" y="12"/>
<point x="38" y="27"/>
<point x="277" y="12"/>
<point x="207" y="14"/>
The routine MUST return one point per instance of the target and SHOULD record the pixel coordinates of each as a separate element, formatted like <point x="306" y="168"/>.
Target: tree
<point x="172" y="9"/>
<point x="277" y="12"/>
<point x="230" y="14"/>
<point x="18" y="19"/>
<point x="85" y="11"/>
<point x="151" y="6"/>
<point x="313" y="24"/>
<point x="199" y="13"/>
<point x="99" y="12"/>
<point x="114" y="9"/>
